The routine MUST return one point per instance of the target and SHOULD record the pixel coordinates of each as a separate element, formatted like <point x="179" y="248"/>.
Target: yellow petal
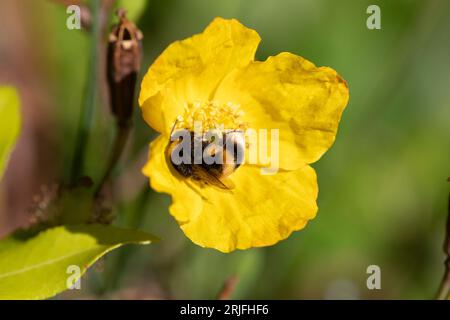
<point x="185" y="201"/>
<point x="166" y="100"/>
<point x="193" y="67"/>
<point x="260" y="211"/>
<point x="289" y="93"/>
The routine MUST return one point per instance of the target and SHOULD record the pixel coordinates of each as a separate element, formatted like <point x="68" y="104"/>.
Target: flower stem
<point x="119" y="144"/>
<point x="90" y="97"/>
<point x="444" y="288"/>
<point x="228" y="288"/>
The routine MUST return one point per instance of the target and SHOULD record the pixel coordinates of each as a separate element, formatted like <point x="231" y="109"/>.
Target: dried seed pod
<point x="124" y="61"/>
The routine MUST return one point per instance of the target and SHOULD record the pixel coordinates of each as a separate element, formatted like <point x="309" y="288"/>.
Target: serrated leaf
<point x="9" y="123"/>
<point x="38" y="266"/>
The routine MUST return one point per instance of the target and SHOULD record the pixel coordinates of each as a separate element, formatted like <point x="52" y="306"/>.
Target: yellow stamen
<point x="212" y="115"/>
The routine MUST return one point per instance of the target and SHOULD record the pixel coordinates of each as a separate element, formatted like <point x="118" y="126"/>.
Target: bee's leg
<point x="195" y="187"/>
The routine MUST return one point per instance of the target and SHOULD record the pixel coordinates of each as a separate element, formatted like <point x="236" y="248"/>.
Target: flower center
<point x="211" y="115"/>
<point x="212" y="134"/>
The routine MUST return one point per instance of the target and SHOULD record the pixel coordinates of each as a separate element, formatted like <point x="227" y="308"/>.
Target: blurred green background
<point x="383" y="190"/>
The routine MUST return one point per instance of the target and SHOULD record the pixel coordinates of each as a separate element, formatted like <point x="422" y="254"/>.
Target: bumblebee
<point x="218" y="156"/>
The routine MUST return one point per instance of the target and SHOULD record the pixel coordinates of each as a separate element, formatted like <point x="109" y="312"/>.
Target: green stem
<point x="444" y="289"/>
<point x="90" y="97"/>
<point x="119" y="145"/>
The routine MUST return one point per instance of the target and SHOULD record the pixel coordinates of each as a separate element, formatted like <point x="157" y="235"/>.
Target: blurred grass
<point x="382" y="185"/>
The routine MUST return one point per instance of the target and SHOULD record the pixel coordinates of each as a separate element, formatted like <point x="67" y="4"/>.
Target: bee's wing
<point x="211" y="178"/>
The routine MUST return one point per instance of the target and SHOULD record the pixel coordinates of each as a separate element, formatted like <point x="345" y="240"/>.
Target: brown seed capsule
<point x="124" y="61"/>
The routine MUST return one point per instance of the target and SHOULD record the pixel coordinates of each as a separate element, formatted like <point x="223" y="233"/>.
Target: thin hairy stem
<point x="444" y="288"/>
<point x="118" y="147"/>
<point x="90" y="97"/>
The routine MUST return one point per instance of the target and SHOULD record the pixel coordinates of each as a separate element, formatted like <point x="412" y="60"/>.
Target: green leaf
<point x="38" y="266"/>
<point x="9" y="123"/>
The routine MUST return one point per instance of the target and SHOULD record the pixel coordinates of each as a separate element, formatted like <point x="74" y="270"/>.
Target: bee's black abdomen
<point x="215" y="167"/>
<point x="227" y="155"/>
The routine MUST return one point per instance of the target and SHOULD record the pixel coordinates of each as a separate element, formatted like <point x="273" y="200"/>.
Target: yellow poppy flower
<point x="213" y="77"/>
